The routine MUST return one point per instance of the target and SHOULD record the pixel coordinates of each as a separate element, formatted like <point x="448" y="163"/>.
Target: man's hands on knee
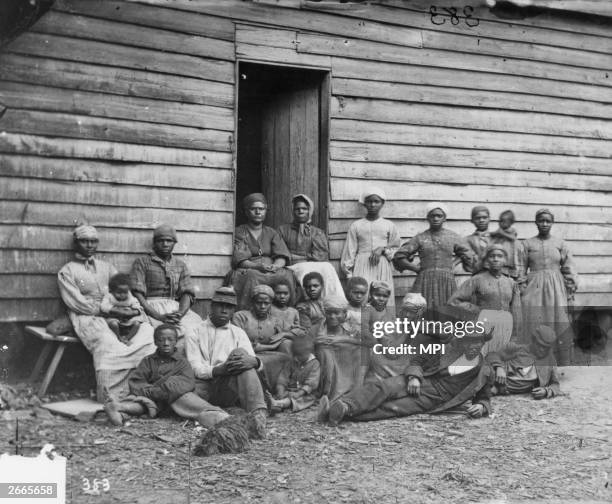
<point x="413" y="387"/>
<point x="240" y="361"/>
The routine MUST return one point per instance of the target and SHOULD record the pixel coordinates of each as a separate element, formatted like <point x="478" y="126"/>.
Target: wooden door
<point x="290" y="132"/>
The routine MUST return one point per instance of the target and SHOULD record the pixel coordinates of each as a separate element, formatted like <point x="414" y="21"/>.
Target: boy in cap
<point x="162" y="283"/>
<point x="520" y="369"/>
<point x="431" y="383"/>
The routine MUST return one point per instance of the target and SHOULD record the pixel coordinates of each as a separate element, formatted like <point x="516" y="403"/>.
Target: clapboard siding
<point x="123" y="113"/>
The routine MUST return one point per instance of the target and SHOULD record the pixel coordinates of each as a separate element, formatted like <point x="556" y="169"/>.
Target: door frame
<point x="324" y="135"/>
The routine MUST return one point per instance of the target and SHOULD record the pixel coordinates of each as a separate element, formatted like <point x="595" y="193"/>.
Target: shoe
<point x="337" y="411"/>
<point x="323" y="410"/>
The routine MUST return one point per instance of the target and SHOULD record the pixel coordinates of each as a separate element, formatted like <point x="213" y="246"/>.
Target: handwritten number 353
<point x="438" y="18"/>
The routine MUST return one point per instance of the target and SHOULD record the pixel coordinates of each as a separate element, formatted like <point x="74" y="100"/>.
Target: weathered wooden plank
<point x="407" y="134"/>
<point x="136" y="13"/>
<point x="120" y="81"/>
<point x="588" y="249"/>
<point x="31" y="310"/>
<point x="462" y="209"/>
<point x="143" y="174"/>
<point x="469" y="158"/>
<point x="459" y="175"/>
<point x="565" y="22"/>
<point x="454" y="96"/>
<point x="107" y="194"/>
<point x="265" y="36"/>
<point x="350" y="189"/>
<point x="110" y="151"/>
<point x="55" y="46"/>
<point x="49" y="262"/>
<point x="114" y="130"/>
<point x="468" y="80"/>
<point x="468" y="117"/>
<point x="45" y="286"/>
<point x="569" y="231"/>
<point x="63" y="214"/>
<point x="25" y="96"/>
<point x="111" y="240"/>
<point x="365" y="49"/>
<point x="269" y="54"/>
<point x="87" y="28"/>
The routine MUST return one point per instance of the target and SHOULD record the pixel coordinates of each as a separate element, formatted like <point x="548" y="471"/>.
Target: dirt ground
<point x="558" y="450"/>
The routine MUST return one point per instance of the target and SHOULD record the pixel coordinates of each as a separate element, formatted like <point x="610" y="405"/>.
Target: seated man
<point x="431" y="383"/>
<point x="520" y="369"/>
<point x="224" y="362"/>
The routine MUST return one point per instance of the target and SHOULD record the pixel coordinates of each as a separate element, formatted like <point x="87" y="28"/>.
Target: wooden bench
<point x="60" y="343"/>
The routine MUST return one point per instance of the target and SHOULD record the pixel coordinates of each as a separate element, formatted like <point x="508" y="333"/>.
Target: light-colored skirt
<point x="501" y="322"/>
<point x="332" y="285"/>
<point x="189" y="323"/>
<point x="382" y="271"/>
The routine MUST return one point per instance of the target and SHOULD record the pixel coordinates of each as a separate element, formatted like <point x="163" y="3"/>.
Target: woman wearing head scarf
<point x="435" y="247"/>
<point x="269" y="335"/>
<point x="83" y="282"/>
<point x="494" y="297"/>
<point x="162" y="283"/>
<point x="548" y="280"/>
<point x="371" y="243"/>
<point x="309" y="247"/>
<point x="260" y="254"/>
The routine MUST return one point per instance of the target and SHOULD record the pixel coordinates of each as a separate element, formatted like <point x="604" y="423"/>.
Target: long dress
<point x="436" y="280"/>
<point x="309" y="250"/>
<point x="267" y="331"/>
<point x="546" y="268"/>
<point x="363" y="237"/>
<point x="82" y="285"/>
<point x="263" y="250"/>
<point x="497" y="299"/>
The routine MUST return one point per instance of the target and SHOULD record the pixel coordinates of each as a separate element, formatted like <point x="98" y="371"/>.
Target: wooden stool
<point x="60" y="343"/>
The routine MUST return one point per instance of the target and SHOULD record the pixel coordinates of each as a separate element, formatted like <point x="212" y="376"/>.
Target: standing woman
<point x="435" y="247"/>
<point x="371" y="243"/>
<point x="260" y="254"/>
<point x="83" y="282"/>
<point x="309" y="247"/>
<point x="548" y="279"/>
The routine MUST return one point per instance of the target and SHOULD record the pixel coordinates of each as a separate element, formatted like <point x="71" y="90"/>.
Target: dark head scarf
<point x="544" y="211"/>
<point x="253" y="198"/>
<point x="480" y="208"/>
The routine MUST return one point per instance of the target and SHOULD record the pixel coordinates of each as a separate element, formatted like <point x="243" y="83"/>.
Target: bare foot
<point x="111" y="407"/>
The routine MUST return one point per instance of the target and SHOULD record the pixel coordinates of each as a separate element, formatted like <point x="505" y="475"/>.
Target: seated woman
<point x="340" y="350"/>
<point x="495" y="297"/>
<point x="83" y="282"/>
<point x="162" y="284"/>
<point x="269" y="335"/>
<point x="260" y="254"/>
<point x="309" y="247"/>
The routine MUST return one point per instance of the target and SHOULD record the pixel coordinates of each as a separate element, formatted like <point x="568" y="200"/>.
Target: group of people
<point x="283" y="332"/>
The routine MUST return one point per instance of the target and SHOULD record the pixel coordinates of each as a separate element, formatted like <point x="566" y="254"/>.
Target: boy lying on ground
<point x="520" y="369"/>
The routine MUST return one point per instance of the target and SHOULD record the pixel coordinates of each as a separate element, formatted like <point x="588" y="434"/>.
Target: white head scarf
<point x="437" y="205"/>
<point x="377" y="191"/>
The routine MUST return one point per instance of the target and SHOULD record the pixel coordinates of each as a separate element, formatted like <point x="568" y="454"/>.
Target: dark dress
<point x="263" y="250"/>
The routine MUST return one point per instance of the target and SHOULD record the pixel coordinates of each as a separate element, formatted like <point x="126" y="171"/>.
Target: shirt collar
<point x="213" y="326"/>
<point x="82" y="258"/>
<point x="157" y="259"/>
<point x="173" y="356"/>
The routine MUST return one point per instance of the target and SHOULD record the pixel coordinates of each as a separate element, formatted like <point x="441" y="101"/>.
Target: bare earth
<point x="558" y="450"/>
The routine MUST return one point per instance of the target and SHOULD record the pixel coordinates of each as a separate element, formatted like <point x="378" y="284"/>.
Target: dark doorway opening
<point x="283" y="138"/>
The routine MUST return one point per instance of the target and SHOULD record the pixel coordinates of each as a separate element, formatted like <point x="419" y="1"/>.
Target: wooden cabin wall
<point x="121" y="115"/>
<point x="515" y="114"/>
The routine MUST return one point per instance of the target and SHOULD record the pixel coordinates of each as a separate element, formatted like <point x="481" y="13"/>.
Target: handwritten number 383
<point x="438" y="18"/>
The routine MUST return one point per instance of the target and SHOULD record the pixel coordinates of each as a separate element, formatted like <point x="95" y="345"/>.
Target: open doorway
<point x="283" y="138"/>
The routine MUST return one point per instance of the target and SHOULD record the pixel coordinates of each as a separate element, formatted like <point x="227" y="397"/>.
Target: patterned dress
<point x="363" y="237"/>
<point x="82" y="285"/>
<point x="436" y="280"/>
<point x="546" y="269"/>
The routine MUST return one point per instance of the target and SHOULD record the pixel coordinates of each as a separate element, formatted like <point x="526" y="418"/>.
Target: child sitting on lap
<point x="124" y="312"/>
<point x="298" y="379"/>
